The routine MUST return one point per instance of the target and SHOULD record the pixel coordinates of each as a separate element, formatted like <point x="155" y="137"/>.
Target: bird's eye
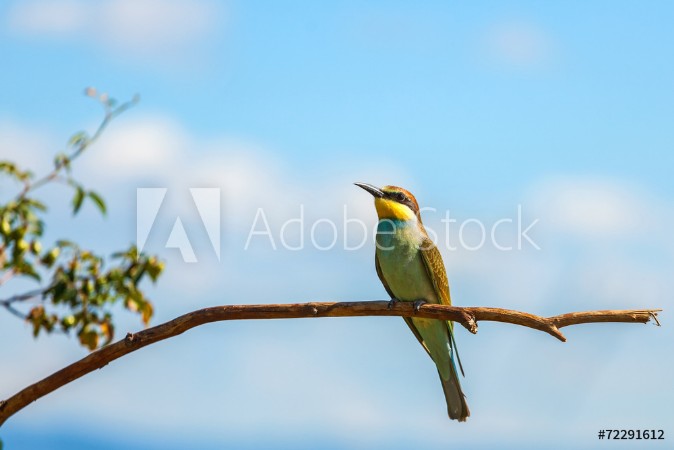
<point x="400" y="197"/>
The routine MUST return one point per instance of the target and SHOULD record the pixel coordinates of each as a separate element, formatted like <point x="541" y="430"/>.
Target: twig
<point x="25" y="296"/>
<point x="8" y="275"/>
<point x="468" y="317"/>
<point x="110" y="113"/>
<point x="14" y="311"/>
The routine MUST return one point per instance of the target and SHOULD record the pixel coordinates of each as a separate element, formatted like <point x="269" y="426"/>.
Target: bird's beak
<point x="375" y="191"/>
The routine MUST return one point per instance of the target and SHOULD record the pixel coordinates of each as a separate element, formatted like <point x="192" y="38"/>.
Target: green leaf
<point x="154" y="268"/>
<point x="98" y="201"/>
<point x="89" y="338"/>
<point x="29" y="271"/>
<point x="49" y="258"/>
<point x="61" y="160"/>
<point x="146" y="313"/>
<point x="35" y="247"/>
<point x="68" y="322"/>
<point x="78" y="139"/>
<point x="21" y="245"/>
<point x="36" y="316"/>
<point x="108" y="330"/>
<point x="136" y="275"/>
<point x="78" y="199"/>
<point x="5" y="227"/>
<point x="66" y="243"/>
<point x="36" y="204"/>
<point x="25" y="175"/>
<point x="8" y="167"/>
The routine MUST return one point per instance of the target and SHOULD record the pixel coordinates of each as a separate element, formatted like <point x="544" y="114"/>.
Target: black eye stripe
<point x="400" y="198"/>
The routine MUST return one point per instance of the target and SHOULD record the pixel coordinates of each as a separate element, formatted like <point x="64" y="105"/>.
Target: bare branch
<point x="468" y="317"/>
<point x="13" y="310"/>
<point x="30" y="295"/>
<point x="8" y="275"/>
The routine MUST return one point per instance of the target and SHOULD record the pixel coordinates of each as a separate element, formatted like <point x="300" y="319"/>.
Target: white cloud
<point x="21" y="144"/>
<point x="151" y="25"/>
<point x="592" y="207"/>
<point x="615" y="234"/>
<point x="159" y="28"/>
<point x="151" y="145"/>
<point x="620" y="282"/>
<point x="49" y="17"/>
<point x="518" y="44"/>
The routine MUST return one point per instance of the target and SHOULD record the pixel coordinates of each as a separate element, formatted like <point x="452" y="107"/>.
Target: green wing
<point x="438" y="275"/>
<point x="436" y="271"/>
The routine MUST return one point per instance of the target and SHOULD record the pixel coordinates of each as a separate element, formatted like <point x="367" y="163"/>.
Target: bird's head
<point x="393" y="202"/>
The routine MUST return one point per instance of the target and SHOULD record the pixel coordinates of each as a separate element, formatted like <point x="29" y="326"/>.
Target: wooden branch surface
<point x="466" y="316"/>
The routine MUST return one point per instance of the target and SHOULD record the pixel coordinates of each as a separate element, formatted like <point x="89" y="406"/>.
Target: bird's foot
<point x="392" y="303"/>
<point x="418" y="304"/>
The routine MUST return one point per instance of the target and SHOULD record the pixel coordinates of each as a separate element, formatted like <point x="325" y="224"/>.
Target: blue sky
<point x="563" y="109"/>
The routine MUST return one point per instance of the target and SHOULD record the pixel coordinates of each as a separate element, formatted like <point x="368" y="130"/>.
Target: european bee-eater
<point x="410" y="267"/>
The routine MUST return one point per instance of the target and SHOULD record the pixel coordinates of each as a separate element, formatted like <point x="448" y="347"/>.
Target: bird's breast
<point x="401" y="261"/>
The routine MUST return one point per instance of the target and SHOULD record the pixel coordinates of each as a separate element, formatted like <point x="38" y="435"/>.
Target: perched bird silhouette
<point x="410" y="267"/>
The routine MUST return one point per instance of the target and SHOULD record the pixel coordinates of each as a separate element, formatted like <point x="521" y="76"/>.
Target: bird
<point x="410" y="267"/>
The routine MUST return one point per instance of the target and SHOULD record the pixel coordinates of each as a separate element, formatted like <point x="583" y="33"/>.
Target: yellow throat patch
<point x="389" y="209"/>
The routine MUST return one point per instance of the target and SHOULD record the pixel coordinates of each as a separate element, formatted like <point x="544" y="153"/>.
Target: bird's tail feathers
<point x="457" y="408"/>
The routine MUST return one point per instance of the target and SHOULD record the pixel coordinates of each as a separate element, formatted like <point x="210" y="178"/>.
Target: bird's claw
<point x="418" y="304"/>
<point x="392" y="303"/>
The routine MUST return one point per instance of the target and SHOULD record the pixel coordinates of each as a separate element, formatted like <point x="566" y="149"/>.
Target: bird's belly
<point x="406" y="275"/>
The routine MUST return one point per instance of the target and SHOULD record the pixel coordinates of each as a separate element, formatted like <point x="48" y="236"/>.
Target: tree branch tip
<point x="653" y="314"/>
<point x="470" y="324"/>
<point x="558" y="334"/>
